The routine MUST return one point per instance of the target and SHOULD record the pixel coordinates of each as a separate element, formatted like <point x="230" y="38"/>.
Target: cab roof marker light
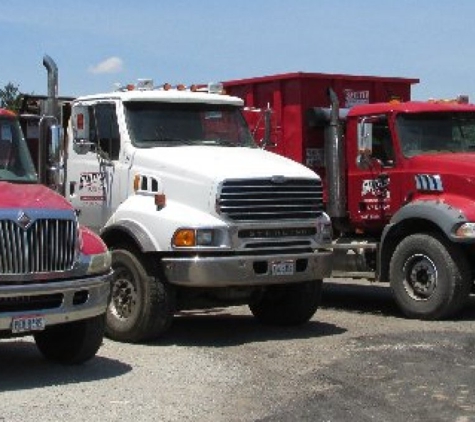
<point x="460" y="99"/>
<point x="145" y="84"/>
<point x="215" y="88"/>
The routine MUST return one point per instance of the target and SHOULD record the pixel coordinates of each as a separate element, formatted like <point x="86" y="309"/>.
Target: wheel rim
<point x="124" y="294"/>
<point x="421" y="277"/>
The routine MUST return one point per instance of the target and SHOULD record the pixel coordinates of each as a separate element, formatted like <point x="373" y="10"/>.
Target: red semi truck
<point x="54" y="273"/>
<point x="399" y="178"/>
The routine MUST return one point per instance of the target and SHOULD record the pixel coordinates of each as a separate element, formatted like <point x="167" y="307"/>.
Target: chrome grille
<point x="265" y="199"/>
<point x="47" y="245"/>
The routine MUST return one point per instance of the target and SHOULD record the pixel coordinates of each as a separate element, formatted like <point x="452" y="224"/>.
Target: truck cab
<point x="54" y="273"/>
<point x="397" y="177"/>
<point x="195" y="214"/>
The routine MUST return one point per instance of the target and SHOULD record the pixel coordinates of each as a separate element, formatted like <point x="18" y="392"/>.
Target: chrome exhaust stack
<point x="335" y="164"/>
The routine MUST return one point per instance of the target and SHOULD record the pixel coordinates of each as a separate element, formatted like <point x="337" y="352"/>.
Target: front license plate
<point x="282" y="268"/>
<point x="28" y="323"/>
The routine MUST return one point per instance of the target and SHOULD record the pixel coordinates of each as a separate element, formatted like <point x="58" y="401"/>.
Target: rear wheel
<point x="288" y="304"/>
<point x="141" y="306"/>
<point x="71" y="343"/>
<point x="430" y="277"/>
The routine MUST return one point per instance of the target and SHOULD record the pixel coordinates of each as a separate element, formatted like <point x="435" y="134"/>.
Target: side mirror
<point x="55" y="158"/>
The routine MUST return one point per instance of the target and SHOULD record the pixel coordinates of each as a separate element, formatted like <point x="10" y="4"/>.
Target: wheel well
<point x="114" y="238"/>
<point x="122" y="239"/>
<point x="396" y="234"/>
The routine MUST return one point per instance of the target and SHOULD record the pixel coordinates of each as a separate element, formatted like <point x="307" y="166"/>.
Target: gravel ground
<point x="357" y="359"/>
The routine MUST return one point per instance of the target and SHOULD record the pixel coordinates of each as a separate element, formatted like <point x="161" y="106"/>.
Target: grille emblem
<point x="23" y="220"/>
<point x="278" y="180"/>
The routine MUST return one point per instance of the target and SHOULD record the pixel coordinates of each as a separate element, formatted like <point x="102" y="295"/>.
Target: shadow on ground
<point x="375" y="299"/>
<point x="221" y="327"/>
<point x="23" y="367"/>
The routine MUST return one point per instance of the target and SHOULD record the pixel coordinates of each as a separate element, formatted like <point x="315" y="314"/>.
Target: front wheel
<point x="429" y="277"/>
<point x="141" y="306"/>
<point x="288" y="304"/>
<point x="73" y="342"/>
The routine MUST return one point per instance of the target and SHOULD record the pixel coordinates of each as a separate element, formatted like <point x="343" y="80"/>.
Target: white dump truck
<point x="195" y="213"/>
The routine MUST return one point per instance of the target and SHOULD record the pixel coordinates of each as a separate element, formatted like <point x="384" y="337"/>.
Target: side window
<point x="382" y="143"/>
<point x="104" y="130"/>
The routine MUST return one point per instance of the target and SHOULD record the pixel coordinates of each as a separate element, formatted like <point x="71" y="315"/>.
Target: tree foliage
<point x="10" y="97"/>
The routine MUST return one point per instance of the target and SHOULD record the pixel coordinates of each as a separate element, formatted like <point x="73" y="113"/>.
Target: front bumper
<point x="57" y="302"/>
<point x="245" y="270"/>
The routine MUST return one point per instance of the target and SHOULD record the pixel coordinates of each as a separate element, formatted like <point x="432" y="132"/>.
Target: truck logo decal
<point x="353" y="98"/>
<point x="429" y="182"/>
<point x="375" y="187"/>
<point x="91" y="187"/>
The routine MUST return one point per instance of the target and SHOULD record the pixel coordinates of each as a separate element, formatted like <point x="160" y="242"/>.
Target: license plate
<point x="282" y="268"/>
<point x="26" y="324"/>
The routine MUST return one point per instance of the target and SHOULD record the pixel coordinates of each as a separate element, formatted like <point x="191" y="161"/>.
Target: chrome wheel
<point x="124" y="295"/>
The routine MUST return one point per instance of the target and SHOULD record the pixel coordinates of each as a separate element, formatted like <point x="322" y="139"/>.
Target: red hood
<point x="30" y="196"/>
<point x="457" y="164"/>
<point x="457" y="175"/>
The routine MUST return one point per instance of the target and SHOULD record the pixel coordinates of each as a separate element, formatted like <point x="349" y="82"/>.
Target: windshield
<point x="430" y="133"/>
<point x="154" y="124"/>
<point x="16" y="164"/>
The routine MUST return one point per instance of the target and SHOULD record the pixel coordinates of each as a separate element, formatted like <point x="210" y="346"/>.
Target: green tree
<point x="10" y="97"/>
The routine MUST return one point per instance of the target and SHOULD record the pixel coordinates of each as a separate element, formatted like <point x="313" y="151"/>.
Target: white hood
<point x="218" y="163"/>
<point x="191" y="175"/>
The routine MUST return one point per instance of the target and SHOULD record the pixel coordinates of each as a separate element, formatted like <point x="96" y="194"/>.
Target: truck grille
<point x="47" y="245"/>
<point x="268" y="199"/>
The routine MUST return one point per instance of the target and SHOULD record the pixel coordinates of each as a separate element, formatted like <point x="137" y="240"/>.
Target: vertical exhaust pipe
<point x="52" y="101"/>
<point x="50" y="150"/>
<point x="335" y="164"/>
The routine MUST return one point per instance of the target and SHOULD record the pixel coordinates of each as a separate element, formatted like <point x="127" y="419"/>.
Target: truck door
<point x="373" y="185"/>
<point x="93" y="154"/>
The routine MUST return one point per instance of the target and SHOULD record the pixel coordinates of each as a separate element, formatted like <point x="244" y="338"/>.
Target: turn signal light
<point x="184" y="237"/>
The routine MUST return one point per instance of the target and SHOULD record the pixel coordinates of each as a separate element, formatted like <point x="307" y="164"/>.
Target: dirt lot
<point x="357" y="360"/>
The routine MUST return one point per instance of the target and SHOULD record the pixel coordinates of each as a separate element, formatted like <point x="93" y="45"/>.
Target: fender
<point x="439" y="213"/>
<point x="442" y="214"/>
<point x="135" y="231"/>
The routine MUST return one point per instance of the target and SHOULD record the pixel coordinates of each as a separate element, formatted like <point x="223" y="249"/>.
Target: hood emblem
<point x="23" y="220"/>
<point x="278" y="180"/>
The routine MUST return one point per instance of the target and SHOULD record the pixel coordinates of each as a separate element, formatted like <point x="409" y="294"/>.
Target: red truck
<point x="54" y="273"/>
<point x="399" y="178"/>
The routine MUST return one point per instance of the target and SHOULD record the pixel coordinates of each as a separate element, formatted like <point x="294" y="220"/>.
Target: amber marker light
<point x="136" y="182"/>
<point x="184" y="238"/>
<point x="160" y="200"/>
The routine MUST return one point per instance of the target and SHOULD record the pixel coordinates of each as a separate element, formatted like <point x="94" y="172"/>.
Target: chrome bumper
<point x="245" y="270"/>
<point x="74" y="300"/>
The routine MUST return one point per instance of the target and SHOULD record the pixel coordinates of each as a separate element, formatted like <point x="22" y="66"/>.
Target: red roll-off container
<point x="292" y="95"/>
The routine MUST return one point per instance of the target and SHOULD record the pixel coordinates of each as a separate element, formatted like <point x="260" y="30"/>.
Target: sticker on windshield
<point x="213" y="115"/>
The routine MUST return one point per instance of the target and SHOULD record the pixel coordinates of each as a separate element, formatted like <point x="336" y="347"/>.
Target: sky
<point x="98" y="43"/>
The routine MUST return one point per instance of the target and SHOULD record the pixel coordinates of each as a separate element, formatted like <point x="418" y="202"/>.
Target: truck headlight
<point x="186" y="238"/>
<point x="99" y="263"/>
<point x="465" y="231"/>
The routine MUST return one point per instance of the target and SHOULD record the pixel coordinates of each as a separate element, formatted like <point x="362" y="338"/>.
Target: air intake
<point x="270" y="199"/>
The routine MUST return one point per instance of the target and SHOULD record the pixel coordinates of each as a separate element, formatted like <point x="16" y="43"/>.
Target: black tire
<point x="71" y="343"/>
<point x="430" y="277"/>
<point x="141" y="306"/>
<point x="288" y="304"/>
